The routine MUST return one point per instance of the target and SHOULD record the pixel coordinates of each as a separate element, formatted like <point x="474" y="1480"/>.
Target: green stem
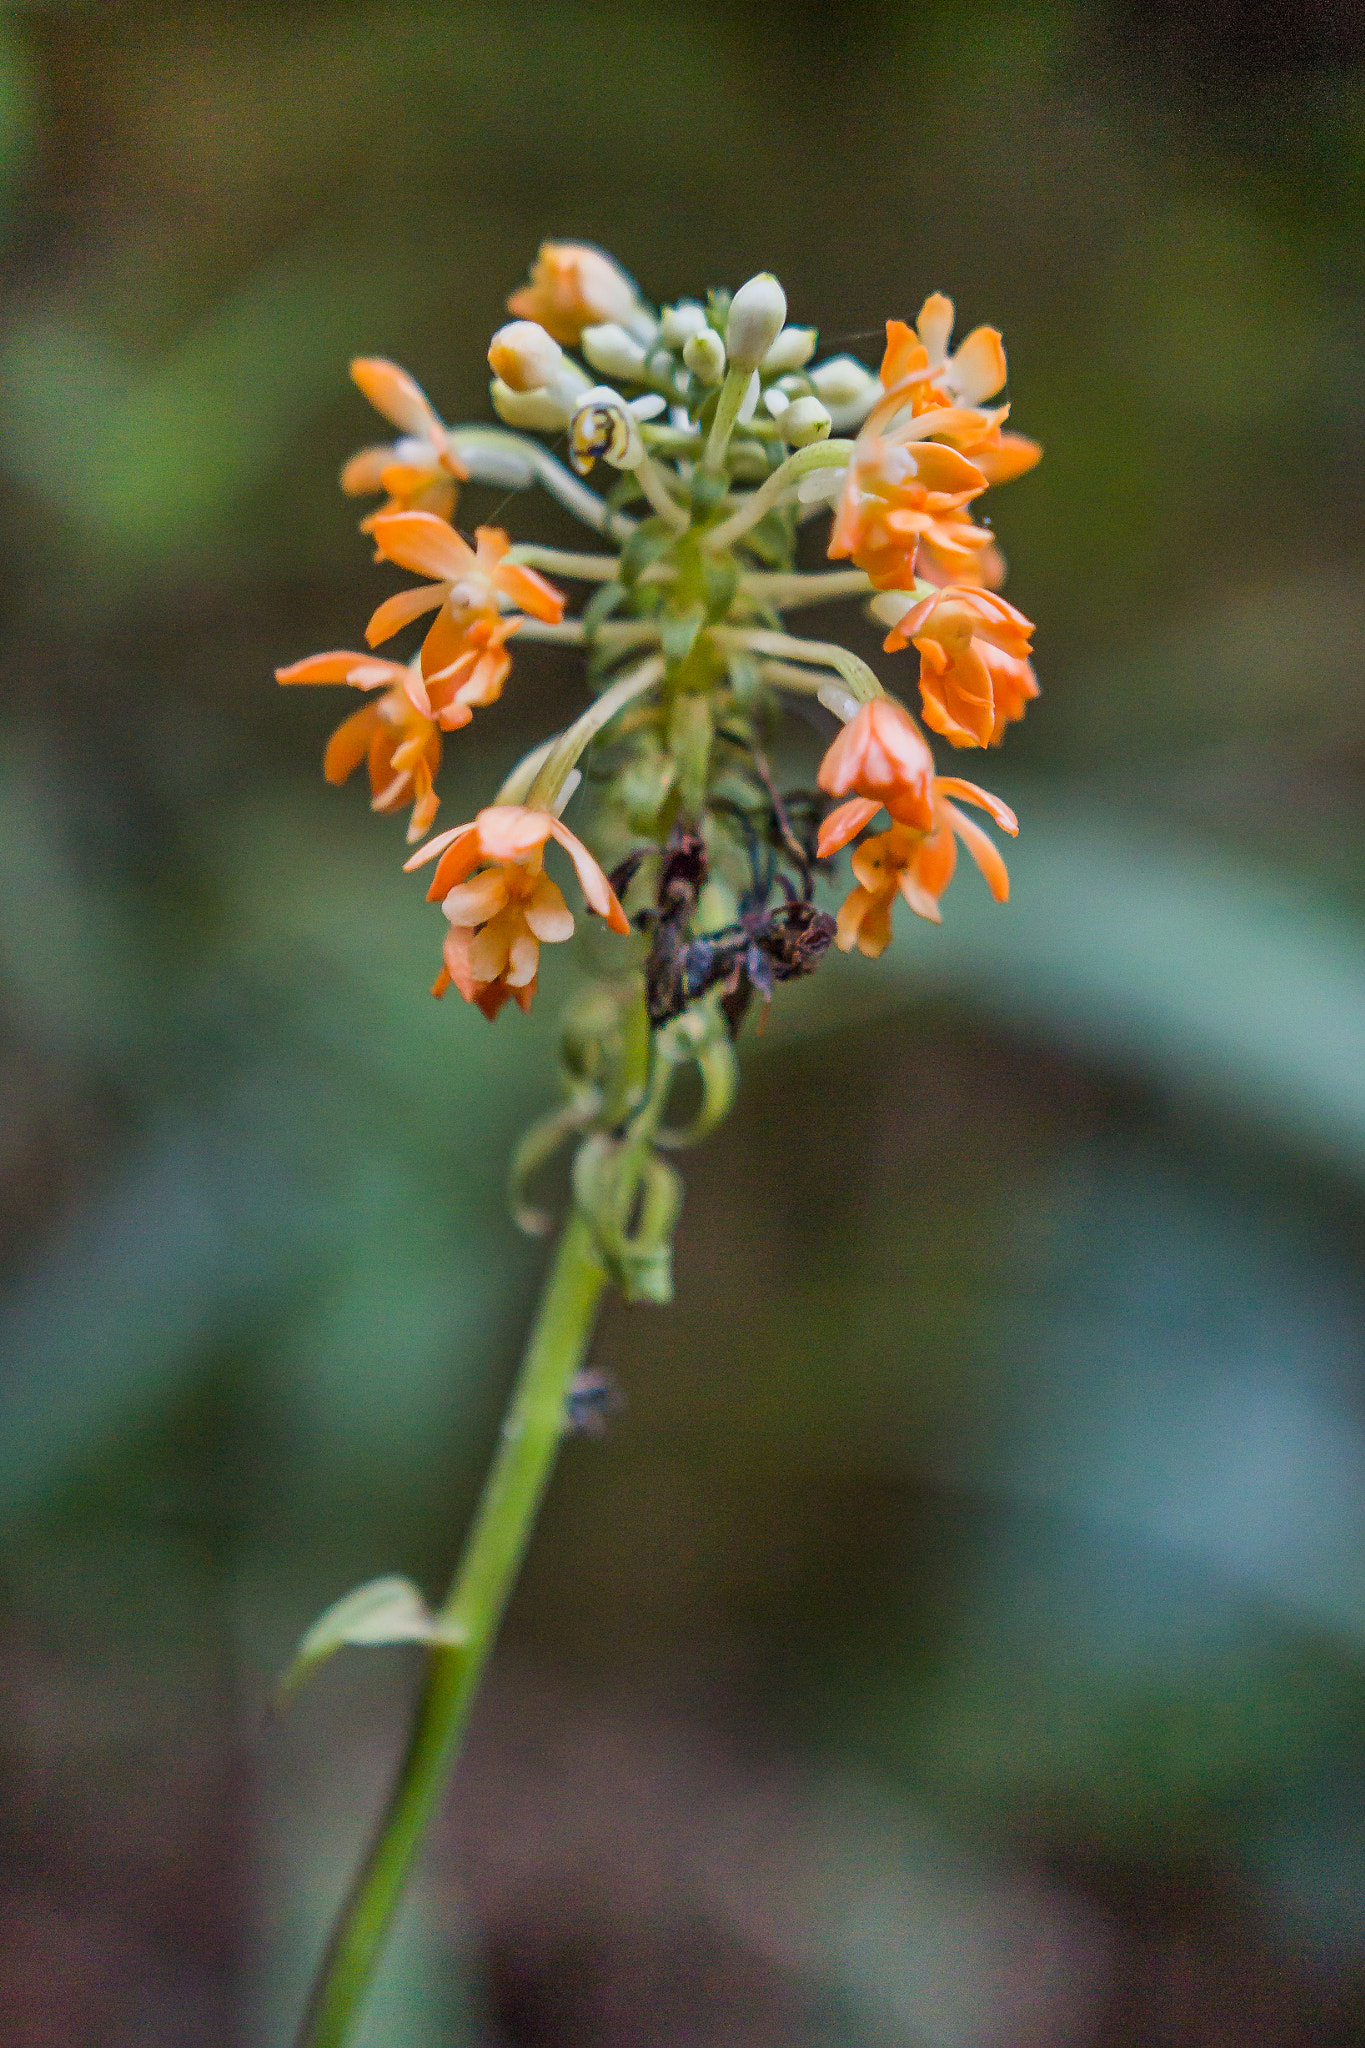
<point x="559" y="562"/>
<point x="563" y="755"/>
<point x="732" y="396"/>
<point x="861" y="680"/>
<point x="538" y="465"/>
<point x="497" y="1542"/>
<point x="783" y="591"/>
<point x="820" y="455"/>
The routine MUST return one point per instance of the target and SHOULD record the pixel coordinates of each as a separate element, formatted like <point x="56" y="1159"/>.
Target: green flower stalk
<point x="719" y="438"/>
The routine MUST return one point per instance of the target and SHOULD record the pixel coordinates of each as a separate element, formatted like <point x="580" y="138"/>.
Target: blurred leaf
<point x="1146" y="950"/>
<point x="387" y="1610"/>
<point x="167" y="453"/>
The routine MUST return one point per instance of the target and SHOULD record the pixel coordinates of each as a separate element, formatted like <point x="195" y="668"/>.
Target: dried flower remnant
<point x="690" y="440"/>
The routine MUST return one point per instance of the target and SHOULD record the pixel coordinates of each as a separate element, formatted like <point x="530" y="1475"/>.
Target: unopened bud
<point x="604" y="425"/>
<point x="777" y="400"/>
<point x="545" y="412"/>
<point x="757" y="313"/>
<point x="805" y="420"/>
<point x="704" y="355"/>
<point x="681" y="322"/>
<point x="612" y="351"/>
<point x="524" y="356"/>
<point x="792" y="350"/>
<point x="842" y="380"/>
<point x="748" y="405"/>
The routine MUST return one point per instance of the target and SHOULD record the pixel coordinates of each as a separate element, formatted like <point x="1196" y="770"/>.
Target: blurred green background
<point x="958" y="1641"/>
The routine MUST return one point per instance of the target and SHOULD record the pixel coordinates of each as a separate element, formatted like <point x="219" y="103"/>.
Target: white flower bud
<point x="792" y="350"/>
<point x="612" y="351"/>
<point x="804" y="420"/>
<point x="757" y="312"/>
<point x="748" y="405"/>
<point x="681" y="322"/>
<point x="524" y="356"/>
<point x="704" y="355"/>
<point x="777" y="400"/>
<point x="544" y="411"/>
<point x="842" y="380"/>
<point x="603" y="424"/>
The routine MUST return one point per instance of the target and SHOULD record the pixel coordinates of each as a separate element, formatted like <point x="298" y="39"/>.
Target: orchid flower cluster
<point x="720" y="434"/>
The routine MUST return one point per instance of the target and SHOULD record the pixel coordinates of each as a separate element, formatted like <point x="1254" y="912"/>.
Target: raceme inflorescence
<point x="722" y="436"/>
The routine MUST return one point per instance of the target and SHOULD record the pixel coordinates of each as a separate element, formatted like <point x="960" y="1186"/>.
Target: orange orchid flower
<point x="975" y="673"/>
<point x="574" y="286"/>
<point x="502" y="906"/>
<point x="898" y="507"/>
<point x="959" y="552"/>
<point x="964" y="380"/>
<point x="918" y="865"/>
<point x="395" y="736"/>
<point x="464" y="658"/>
<point x="421" y="471"/>
<point x="881" y="756"/>
<point x="899" y="491"/>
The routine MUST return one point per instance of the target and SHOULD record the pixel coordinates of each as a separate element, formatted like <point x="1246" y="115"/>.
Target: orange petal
<point x="531" y="592"/>
<point x="969" y="793"/>
<point x="397" y="395"/>
<point x="475" y="901"/>
<point x="598" y="890"/>
<point x="362" y="671"/>
<point x="455" y="953"/>
<point x="547" y="914"/>
<point x="978" y="367"/>
<point x="940" y="468"/>
<point x="905" y="353"/>
<point x="983" y="851"/>
<point x="401" y="609"/>
<point x="844" y="824"/>
<point x="350" y="743"/>
<point x="848" y="924"/>
<point x="513" y="831"/>
<point x="935" y="326"/>
<point x="1015" y="456"/>
<point x="406" y="479"/>
<point x="523" y="958"/>
<point x="874" y="927"/>
<point x="365" y="470"/>
<point x="423" y="543"/>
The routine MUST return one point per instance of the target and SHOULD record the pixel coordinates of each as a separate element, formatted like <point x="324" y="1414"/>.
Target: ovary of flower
<point x="420" y="471"/>
<point x="502" y="906"/>
<point x="975" y="673"/>
<point x="882" y="758"/>
<point x="464" y="660"/>
<point x="399" y="742"/>
<point x="916" y="864"/>
<point x="574" y="286"/>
